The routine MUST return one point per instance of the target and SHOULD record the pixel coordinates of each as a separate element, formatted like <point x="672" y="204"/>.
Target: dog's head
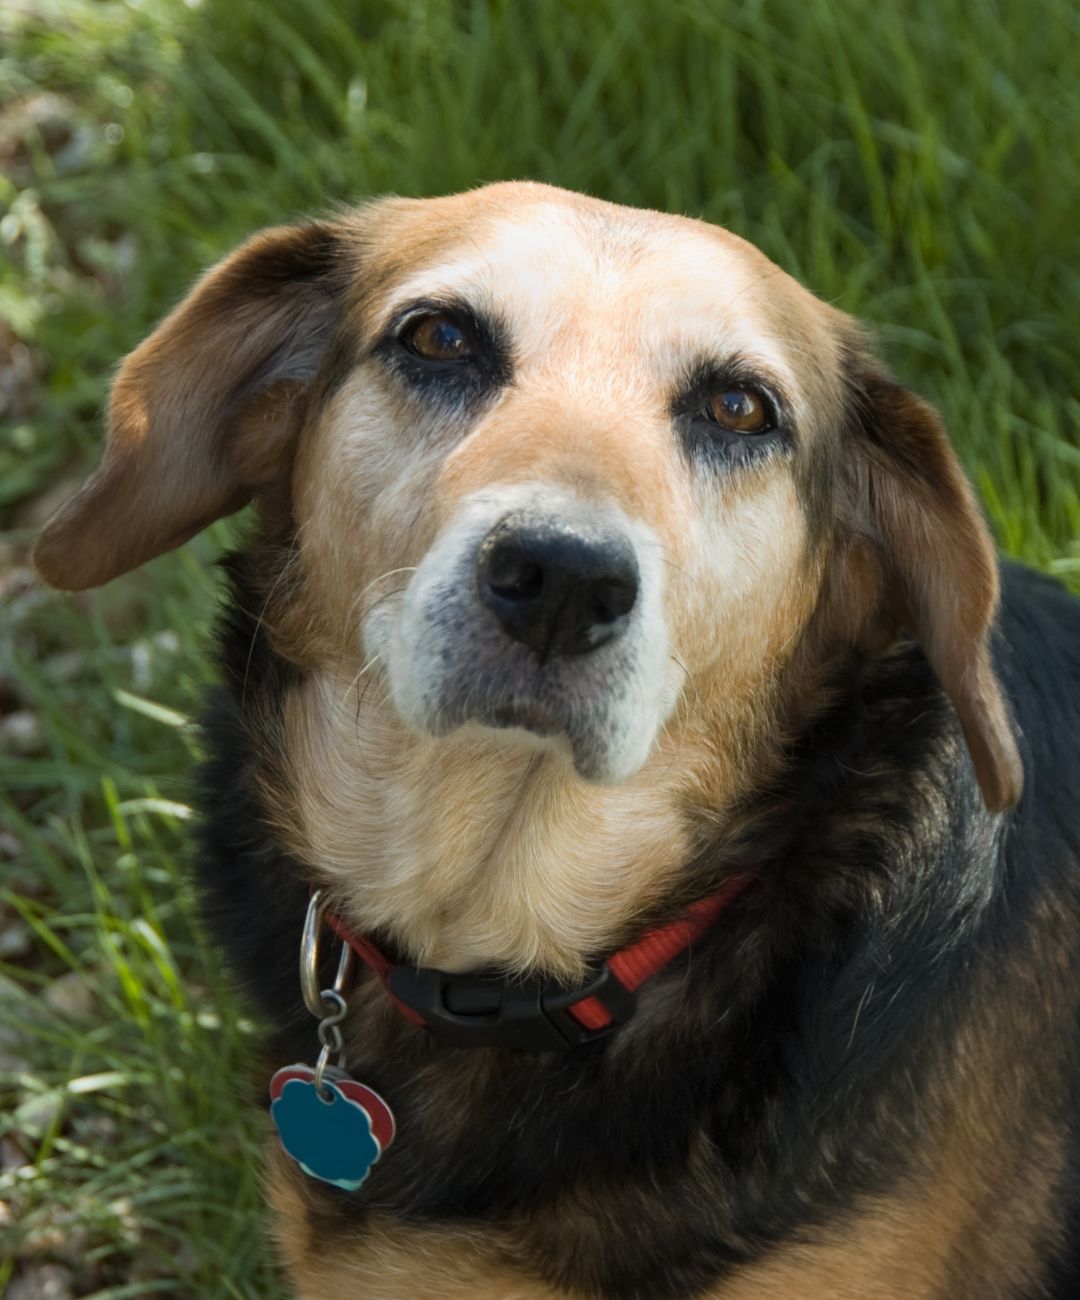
<point x="570" y="476"/>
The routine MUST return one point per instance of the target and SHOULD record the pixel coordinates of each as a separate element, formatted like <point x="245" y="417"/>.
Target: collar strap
<point x="536" y="1015"/>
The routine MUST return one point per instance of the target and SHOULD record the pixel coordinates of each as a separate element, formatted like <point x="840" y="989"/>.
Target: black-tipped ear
<point x="908" y="494"/>
<point x="203" y="412"/>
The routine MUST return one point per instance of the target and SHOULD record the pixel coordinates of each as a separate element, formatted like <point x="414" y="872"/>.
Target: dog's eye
<point x="439" y="337"/>
<point x="742" y="410"/>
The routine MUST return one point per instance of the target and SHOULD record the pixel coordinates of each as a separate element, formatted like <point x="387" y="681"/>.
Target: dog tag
<point x="336" y="1135"/>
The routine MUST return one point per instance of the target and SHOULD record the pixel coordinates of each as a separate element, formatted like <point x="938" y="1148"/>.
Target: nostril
<point x="513" y="577"/>
<point x="611" y="600"/>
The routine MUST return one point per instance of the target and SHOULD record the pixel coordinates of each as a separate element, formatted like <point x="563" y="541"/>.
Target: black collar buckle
<point x="530" y="1015"/>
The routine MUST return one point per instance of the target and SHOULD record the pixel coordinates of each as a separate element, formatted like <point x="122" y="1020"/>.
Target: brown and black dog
<point x="595" y="565"/>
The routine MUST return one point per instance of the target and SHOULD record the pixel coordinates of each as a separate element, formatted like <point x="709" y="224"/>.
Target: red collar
<point x="533" y="1014"/>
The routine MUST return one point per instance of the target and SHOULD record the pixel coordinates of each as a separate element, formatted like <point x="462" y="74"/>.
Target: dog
<point x="689" y="797"/>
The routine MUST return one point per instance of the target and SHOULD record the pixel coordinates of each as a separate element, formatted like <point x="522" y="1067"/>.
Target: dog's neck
<point x="472" y="852"/>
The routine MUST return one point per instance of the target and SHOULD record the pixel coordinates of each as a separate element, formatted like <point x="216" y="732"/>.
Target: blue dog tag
<point x="336" y="1137"/>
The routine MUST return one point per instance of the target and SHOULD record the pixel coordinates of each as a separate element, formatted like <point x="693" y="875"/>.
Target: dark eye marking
<point x="446" y="352"/>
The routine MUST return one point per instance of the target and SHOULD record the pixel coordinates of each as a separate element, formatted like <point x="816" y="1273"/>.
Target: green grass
<point x="912" y="162"/>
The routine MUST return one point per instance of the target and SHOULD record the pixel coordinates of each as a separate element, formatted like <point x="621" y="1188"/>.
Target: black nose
<point x="558" y="587"/>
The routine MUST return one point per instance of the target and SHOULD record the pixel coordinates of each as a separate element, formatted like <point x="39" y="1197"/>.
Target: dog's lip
<point x="529" y="715"/>
<point x="549" y="711"/>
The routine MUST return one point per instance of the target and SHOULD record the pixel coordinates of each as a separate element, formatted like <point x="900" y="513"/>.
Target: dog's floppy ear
<point x="908" y="494"/>
<point x="203" y="412"/>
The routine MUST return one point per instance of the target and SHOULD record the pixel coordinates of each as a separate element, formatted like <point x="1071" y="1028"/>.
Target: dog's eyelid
<point x="710" y="375"/>
<point x="415" y="310"/>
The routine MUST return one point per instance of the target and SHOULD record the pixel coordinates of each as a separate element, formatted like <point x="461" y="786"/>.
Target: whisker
<point x="390" y="573"/>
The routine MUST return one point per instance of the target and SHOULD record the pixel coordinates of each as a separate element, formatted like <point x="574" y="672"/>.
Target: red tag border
<point x="383" y="1127"/>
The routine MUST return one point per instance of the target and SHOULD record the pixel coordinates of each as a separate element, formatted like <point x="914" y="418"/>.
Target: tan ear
<point x="910" y="496"/>
<point x="203" y="412"/>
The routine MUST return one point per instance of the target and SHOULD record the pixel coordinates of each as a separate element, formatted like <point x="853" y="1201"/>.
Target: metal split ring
<point x="319" y="1001"/>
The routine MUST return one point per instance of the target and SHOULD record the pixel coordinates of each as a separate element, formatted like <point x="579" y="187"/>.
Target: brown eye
<point x="742" y="410"/>
<point x="438" y="338"/>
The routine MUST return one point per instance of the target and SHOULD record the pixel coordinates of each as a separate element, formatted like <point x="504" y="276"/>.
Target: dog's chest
<point x="398" y="1263"/>
<point x="914" y="1245"/>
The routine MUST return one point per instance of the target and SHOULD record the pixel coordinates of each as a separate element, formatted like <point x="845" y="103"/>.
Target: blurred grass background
<point x="913" y="162"/>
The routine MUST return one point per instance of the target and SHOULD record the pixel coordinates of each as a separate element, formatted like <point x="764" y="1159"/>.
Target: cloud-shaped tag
<point x="330" y="1140"/>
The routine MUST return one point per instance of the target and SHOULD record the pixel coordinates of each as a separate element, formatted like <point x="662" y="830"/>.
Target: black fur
<point x="888" y="912"/>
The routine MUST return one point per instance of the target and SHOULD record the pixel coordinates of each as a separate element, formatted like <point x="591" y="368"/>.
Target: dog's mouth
<point x="527" y="715"/>
<point x="552" y="705"/>
<point x="493" y="694"/>
<point x="582" y="709"/>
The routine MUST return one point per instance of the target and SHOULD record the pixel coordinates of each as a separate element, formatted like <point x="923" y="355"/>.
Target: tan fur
<point x="391" y="1261"/>
<point x="187" y="443"/>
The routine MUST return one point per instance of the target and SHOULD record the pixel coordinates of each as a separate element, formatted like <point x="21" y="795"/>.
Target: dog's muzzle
<point x="539" y="614"/>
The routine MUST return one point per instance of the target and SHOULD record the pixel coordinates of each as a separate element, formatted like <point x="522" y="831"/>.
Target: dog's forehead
<point x="552" y="264"/>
